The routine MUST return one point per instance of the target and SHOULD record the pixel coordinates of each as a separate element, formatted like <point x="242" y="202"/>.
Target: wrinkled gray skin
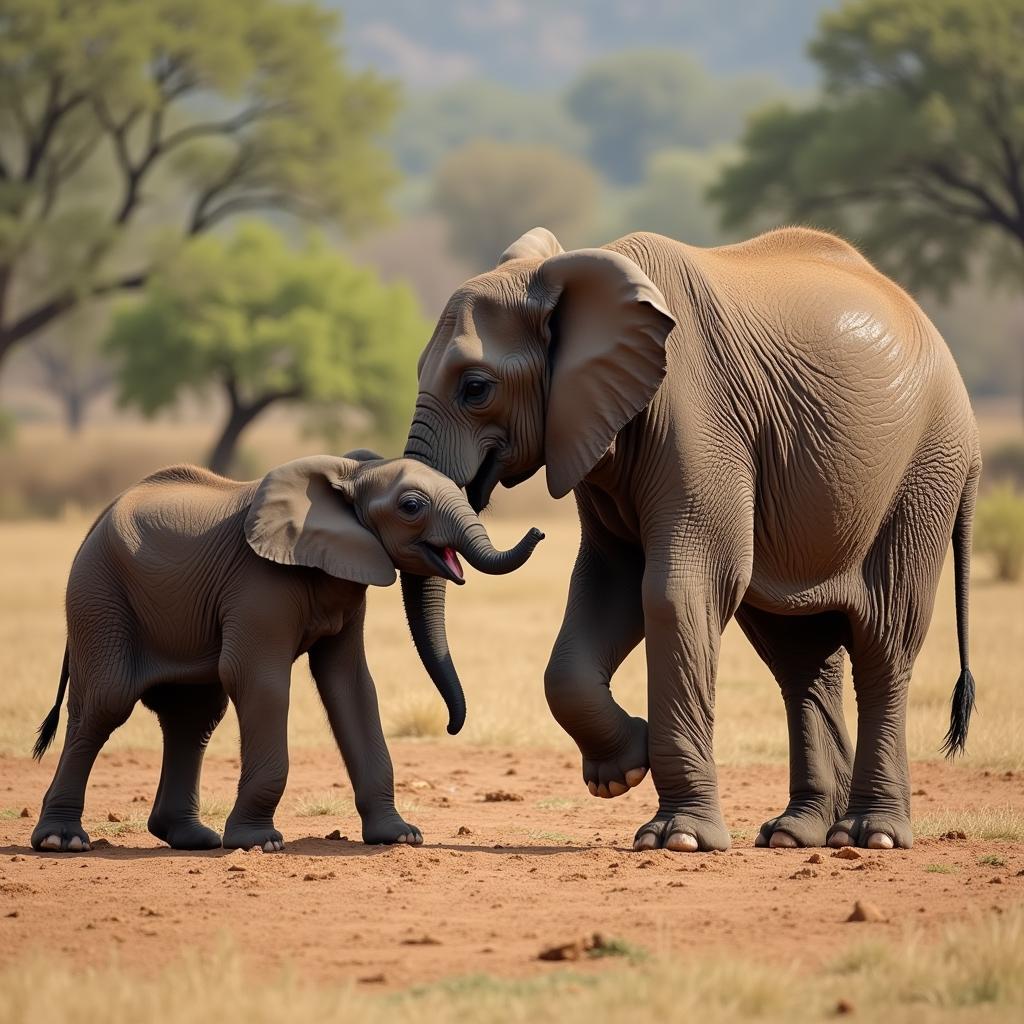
<point x="191" y="589"/>
<point x="771" y="430"/>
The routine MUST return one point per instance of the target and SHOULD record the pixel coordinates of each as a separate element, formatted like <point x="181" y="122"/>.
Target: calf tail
<point x="962" y="701"/>
<point x="49" y="727"/>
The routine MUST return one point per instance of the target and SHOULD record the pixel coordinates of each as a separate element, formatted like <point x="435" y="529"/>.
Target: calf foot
<point x="688" y="830"/>
<point x="55" y="836"/>
<point x="388" y="828"/>
<point x="874" y="830"/>
<point x="245" y="836"/>
<point x="623" y="765"/>
<point x="184" y="832"/>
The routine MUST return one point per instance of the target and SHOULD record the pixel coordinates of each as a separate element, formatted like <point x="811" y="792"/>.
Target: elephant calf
<point x="191" y="589"/>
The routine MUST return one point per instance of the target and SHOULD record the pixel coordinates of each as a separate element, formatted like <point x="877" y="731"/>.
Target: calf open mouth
<point x="446" y="561"/>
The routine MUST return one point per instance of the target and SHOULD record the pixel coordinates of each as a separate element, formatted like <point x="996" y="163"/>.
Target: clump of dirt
<point x="589" y="945"/>
<point x="847" y="853"/>
<point x="499" y="796"/>
<point x="863" y="910"/>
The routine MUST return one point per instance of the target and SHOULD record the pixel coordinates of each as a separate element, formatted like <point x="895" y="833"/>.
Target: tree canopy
<point x="634" y="104"/>
<point x="157" y="112"/>
<point x="263" y="322"/>
<point x="492" y="192"/>
<point x="916" y="147"/>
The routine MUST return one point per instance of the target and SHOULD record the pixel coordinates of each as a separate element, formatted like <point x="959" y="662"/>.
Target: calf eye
<point x="411" y="505"/>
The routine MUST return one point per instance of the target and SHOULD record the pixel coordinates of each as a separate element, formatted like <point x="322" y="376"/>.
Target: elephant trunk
<point x="478" y="550"/>
<point x="424" y="608"/>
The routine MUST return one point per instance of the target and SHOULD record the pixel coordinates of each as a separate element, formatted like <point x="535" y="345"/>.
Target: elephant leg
<point x="805" y="654"/>
<point x="903" y="572"/>
<point x="683" y="622"/>
<point x="259" y="689"/>
<point x="343" y="679"/>
<point x="603" y="622"/>
<point x="90" y="724"/>
<point x="188" y="715"/>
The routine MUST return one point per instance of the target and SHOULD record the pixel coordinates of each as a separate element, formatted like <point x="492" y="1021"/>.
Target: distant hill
<point x="532" y="44"/>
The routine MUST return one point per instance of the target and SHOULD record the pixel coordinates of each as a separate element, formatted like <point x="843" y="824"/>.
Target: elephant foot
<point x="245" y="837"/>
<point x="797" y="826"/>
<point x="387" y="829"/>
<point x="625" y="767"/>
<point x="683" y="832"/>
<point x="873" y="830"/>
<point x="183" y="833"/>
<point x="55" y="836"/>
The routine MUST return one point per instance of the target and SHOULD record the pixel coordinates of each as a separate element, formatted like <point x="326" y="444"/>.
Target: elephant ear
<point x="607" y="324"/>
<point x="302" y="514"/>
<point x="536" y="244"/>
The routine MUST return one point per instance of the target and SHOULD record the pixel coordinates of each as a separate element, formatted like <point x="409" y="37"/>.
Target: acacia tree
<point x="264" y="323"/>
<point x="107" y="106"/>
<point x="916" y="147"/>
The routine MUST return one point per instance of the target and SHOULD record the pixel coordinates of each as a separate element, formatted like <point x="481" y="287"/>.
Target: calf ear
<point x="607" y="324"/>
<point x="536" y="244"/>
<point x="302" y="514"/>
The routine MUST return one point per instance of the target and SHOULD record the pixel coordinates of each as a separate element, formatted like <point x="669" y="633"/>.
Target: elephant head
<point x="539" y="362"/>
<point x="358" y="518"/>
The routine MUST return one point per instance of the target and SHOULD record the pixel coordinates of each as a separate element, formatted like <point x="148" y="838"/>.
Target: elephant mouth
<point x="445" y="562"/>
<point x="479" y="489"/>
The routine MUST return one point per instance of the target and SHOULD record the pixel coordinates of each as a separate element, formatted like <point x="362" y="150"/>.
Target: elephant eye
<point x="476" y="390"/>
<point x="411" y="504"/>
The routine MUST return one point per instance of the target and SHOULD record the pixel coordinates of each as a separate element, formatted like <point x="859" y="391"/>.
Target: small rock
<point x="318" y="876"/>
<point x="336" y="836"/>
<point x="11" y="913"/>
<point x="573" y="950"/>
<point x="844" y="1007"/>
<point x="997" y="880"/>
<point x="372" y="979"/>
<point x="865" y="911"/>
<point x="847" y="853"/>
<point x="510" y="771"/>
<point x="424" y="940"/>
<point x="919" y="792"/>
<point x="194" y="871"/>
<point x="804" y="873"/>
<point x="237" y="867"/>
<point x="111" y="816"/>
<point x="26" y="813"/>
<point x="498" y="796"/>
<point x="954" y="833"/>
<point x="149" y="912"/>
<point x="17" y="857"/>
<point x="815" y="858"/>
<point x="100" y="844"/>
<point x="463" y="831"/>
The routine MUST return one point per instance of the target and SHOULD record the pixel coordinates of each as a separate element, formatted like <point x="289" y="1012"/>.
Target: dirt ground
<point x="497" y="881"/>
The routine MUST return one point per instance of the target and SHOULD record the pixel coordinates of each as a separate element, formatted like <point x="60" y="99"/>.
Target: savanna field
<point x="518" y="859"/>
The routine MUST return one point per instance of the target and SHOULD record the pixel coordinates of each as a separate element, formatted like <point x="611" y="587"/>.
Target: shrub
<point x="999" y="530"/>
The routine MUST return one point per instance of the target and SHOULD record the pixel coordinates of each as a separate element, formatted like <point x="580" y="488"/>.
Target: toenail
<point x="51" y="843"/>
<point x="682" y="842"/>
<point x="635" y="776"/>
<point x="617" y="788"/>
<point x="838" y="839"/>
<point x="592" y="786"/>
<point x="879" y="841"/>
<point x="783" y="840"/>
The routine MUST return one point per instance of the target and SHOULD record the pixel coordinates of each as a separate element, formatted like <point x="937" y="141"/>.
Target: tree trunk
<point x="222" y="455"/>
<point x="240" y="415"/>
<point x="74" y="411"/>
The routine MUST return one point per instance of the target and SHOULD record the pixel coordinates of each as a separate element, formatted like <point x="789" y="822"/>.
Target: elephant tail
<point x="962" y="701"/>
<point x="49" y="727"/>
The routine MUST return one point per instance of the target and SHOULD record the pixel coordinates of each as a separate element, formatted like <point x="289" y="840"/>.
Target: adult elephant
<point x="772" y="430"/>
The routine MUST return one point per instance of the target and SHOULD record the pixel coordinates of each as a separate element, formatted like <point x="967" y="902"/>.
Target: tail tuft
<point x="961" y="706"/>
<point x="46" y="733"/>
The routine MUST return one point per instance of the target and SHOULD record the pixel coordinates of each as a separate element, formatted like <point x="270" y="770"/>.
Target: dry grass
<point x="986" y="823"/>
<point x="501" y="630"/>
<point x="320" y="805"/>
<point x="975" y="973"/>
